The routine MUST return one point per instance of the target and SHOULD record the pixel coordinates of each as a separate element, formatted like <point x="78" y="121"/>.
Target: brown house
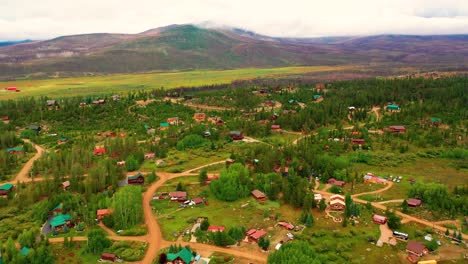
<point x="397" y="129"/>
<point x="337" y="204"/>
<point x="416" y="248"/>
<point x="253" y="235"/>
<point x="379" y="219"/>
<point x="109" y="257"/>
<point x="259" y="196"/>
<point x="178" y="196"/>
<point x="333" y="181"/>
<point x="199" y="117"/>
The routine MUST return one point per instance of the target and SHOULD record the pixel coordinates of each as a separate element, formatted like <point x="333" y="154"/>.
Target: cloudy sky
<point x="42" y="19"/>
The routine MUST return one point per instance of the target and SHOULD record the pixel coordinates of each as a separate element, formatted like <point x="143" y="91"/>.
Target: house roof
<point x="178" y="194"/>
<point x="66" y="184"/>
<point x="59" y="206"/>
<point x="257" y="234"/>
<point x="134" y="177"/>
<point x="379" y="217"/>
<point x="197" y="200"/>
<point x="15" y="149"/>
<point x="397" y="127"/>
<point x="102" y="212"/>
<point x="414" y="202"/>
<point x="24" y="251"/>
<point x="258" y="194"/>
<point x="60" y="220"/>
<point x="393" y="107"/>
<point x="333" y="202"/>
<point x="6" y="187"/>
<point x="164" y="124"/>
<point x="34" y="127"/>
<point x="238" y="133"/>
<point x="216" y="228"/>
<point x="287" y="225"/>
<point x="416" y="247"/>
<point x="185" y="254"/>
<point x="317" y="96"/>
<point x="337" y="196"/>
<point x="435" y="119"/>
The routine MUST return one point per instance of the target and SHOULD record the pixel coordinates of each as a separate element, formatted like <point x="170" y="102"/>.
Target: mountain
<point x="8" y="43"/>
<point x="186" y="47"/>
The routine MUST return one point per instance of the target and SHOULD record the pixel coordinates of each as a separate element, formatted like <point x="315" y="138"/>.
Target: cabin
<point x="150" y="155"/>
<point x="335" y="182"/>
<point x="435" y="121"/>
<point x="379" y="219"/>
<point x="199" y="117"/>
<point x="337" y="204"/>
<point x="198" y="200"/>
<point x="216" y="228"/>
<point x="357" y="141"/>
<point x="66" y="185"/>
<point x="12" y="89"/>
<point x="275" y="127"/>
<point x="109" y="257"/>
<point x="98" y="151"/>
<point x="35" y="128"/>
<point x="100" y="213"/>
<point x="185" y="256"/>
<point x="99" y="102"/>
<point x="253" y="235"/>
<point x="320" y="86"/>
<point x="57" y="210"/>
<point x="136" y="179"/>
<point x="259" y="196"/>
<point x="318" y="98"/>
<point x="173" y="120"/>
<point x="393" y="107"/>
<point x="414" y="202"/>
<point x="286" y="225"/>
<point x="397" y="129"/>
<point x="178" y="196"/>
<point x="371" y="178"/>
<point x="416" y="248"/>
<point x="60" y="221"/>
<point x="6" y="188"/>
<point x="15" y="150"/>
<point x="163" y="126"/>
<point x="236" y="135"/>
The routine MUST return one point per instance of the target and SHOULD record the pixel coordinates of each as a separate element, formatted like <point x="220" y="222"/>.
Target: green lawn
<point x="66" y="87"/>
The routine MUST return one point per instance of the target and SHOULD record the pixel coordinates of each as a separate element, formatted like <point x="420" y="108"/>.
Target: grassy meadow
<point x="119" y="83"/>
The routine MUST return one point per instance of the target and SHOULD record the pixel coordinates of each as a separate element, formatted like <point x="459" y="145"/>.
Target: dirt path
<point x="392" y="201"/>
<point x="208" y="107"/>
<point x="22" y="176"/>
<point x="375" y="110"/>
<point x="385" y="233"/>
<point x="387" y="186"/>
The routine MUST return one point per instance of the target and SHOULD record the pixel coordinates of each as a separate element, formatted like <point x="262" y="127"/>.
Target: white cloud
<point x="20" y="19"/>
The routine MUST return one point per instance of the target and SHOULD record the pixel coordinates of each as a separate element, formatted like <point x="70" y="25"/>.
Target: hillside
<point x="187" y="47"/>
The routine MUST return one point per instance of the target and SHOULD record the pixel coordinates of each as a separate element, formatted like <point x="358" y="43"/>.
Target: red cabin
<point x="397" y="129"/>
<point x="275" y="127"/>
<point x="379" y="219"/>
<point x="12" y="89"/>
<point x="137" y="179"/>
<point x="109" y="257"/>
<point x="357" y="141"/>
<point x="236" y="135"/>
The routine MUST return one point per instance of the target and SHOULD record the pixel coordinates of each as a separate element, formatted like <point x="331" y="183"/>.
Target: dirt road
<point x="375" y="110"/>
<point x="22" y="176"/>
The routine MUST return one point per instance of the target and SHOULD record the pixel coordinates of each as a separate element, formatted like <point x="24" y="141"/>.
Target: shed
<point x="414" y="202"/>
<point x="333" y="181"/>
<point x="379" y="219"/>
<point x="275" y="127"/>
<point x="258" y="195"/>
<point x="100" y="213"/>
<point x="286" y="225"/>
<point x="397" y="129"/>
<point x="109" y="257"/>
<point x="6" y="188"/>
<point x="66" y="185"/>
<point x="98" y="151"/>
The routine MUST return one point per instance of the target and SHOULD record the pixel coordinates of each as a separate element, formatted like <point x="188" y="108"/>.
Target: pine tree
<point x="322" y="205"/>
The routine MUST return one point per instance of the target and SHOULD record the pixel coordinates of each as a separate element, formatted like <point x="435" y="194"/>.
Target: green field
<point x="66" y="87"/>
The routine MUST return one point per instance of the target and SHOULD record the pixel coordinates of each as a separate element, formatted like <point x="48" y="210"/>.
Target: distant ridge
<point x="8" y="43"/>
<point x="188" y="47"/>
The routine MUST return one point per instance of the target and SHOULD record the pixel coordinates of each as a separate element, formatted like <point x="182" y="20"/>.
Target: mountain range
<point x="188" y="47"/>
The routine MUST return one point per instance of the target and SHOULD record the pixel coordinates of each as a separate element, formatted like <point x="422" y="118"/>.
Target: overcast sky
<point x="43" y="19"/>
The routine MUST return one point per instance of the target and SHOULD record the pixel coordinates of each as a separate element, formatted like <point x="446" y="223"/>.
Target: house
<point x="317" y="197"/>
<point x="318" y="98"/>
<point x="275" y="127"/>
<point x="337" y="204"/>
<point x="337" y="197"/>
<point x="236" y="135"/>
<point x="6" y="188"/>
<point x="416" y="248"/>
<point x="379" y="219"/>
<point x="197" y="200"/>
<point x="351" y="108"/>
<point x="185" y="256"/>
<point x="136" y="179"/>
<point x="12" y="89"/>
<point x="51" y="103"/>
<point x="62" y="140"/>
<point x="100" y="213"/>
<point x="253" y="235"/>
<point x="357" y="141"/>
<point x="99" y="102"/>
<point x="109" y="257"/>
<point x="414" y="202"/>
<point x="371" y="178"/>
<point x="397" y="129"/>
<point x="98" y="151"/>
<point x="35" y="128"/>
<point x="163" y="126"/>
<point x="178" y="196"/>
<point x="15" y="150"/>
<point x="173" y="120"/>
<point x="216" y="120"/>
<point x="393" y="107"/>
<point x="435" y="121"/>
<point x="150" y="155"/>
<point x="230" y="162"/>
<point x="121" y="163"/>
<point x="57" y="210"/>
<point x="335" y="182"/>
<point x="199" y="117"/>
<point x="319" y="86"/>
<point x="66" y="185"/>
<point x="286" y="225"/>
<point x="60" y="221"/>
<point x="24" y="251"/>
<point x="258" y="195"/>
<point x="216" y="228"/>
